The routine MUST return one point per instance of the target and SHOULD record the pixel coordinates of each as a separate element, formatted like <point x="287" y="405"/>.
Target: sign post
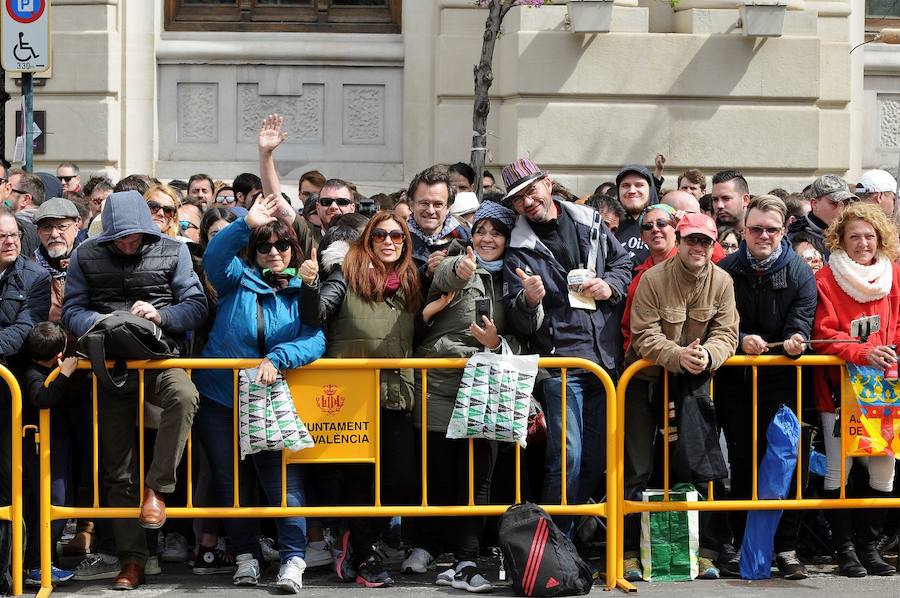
<point x="26" y="50"/>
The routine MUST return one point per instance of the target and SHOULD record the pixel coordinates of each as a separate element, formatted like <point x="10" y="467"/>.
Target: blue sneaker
<point x="33" y="576"/>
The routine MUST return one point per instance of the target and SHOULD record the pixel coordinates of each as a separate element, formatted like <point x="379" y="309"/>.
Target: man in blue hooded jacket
<point x="131" y="266"/>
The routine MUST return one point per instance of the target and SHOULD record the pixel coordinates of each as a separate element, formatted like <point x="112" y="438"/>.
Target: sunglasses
<point x="660" y="224"/>
<point x="66" y="178"/>
<point x="693" y="241"/>
<point x="186" y="225"/>
<point x="757" y="231"/>
<point x="155" y="207"/>
<point x="225" y="199"/>
<point x="379" y="235"/>
<point x="281" y="245"/>
<point x="342" y="202"/>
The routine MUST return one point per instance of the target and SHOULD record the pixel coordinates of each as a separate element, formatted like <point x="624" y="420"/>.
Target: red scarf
<point x="391" y="281"/>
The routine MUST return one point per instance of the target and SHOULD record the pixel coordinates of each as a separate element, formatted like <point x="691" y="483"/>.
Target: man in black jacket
<point x="775" y="292"/>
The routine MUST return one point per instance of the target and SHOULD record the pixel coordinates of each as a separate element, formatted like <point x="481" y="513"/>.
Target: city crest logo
<point x="330" y="401"/>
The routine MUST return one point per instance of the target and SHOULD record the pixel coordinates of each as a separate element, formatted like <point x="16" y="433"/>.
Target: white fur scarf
<point x="863" y="283"/>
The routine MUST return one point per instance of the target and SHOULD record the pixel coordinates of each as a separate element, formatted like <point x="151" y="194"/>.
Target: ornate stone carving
<point x="198" y="112"/>
<point x="363" y="115"/>
<point x="889" y="122"/>
<point x="304" y="115"/>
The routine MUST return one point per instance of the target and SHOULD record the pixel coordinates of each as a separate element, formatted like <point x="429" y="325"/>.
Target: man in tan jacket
<point x="684" y="319"/>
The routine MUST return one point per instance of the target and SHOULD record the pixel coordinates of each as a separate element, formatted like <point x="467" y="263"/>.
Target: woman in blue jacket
<point x="260" y="290"/>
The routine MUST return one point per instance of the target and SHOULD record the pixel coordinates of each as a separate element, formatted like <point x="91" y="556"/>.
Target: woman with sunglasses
<point x="368" y="307"/>
<point x="455" y="327"/>
<point x="163" y="203"/>
<point x="259" y="290"/>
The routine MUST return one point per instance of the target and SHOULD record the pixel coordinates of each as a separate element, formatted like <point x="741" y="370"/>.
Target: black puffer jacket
<point x="24" y="302"/>
<point x="777" y="304"/>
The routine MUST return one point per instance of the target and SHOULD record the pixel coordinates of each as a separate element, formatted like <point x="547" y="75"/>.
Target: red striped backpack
<point x="539" y="558"/>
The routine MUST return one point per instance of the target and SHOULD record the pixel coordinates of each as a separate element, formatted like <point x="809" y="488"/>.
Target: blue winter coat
<point x="288" y="342"/>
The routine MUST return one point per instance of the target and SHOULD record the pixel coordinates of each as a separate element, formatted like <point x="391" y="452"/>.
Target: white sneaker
<point x="247" y="572"/>
<point x="290" y="576"/>
<point x="151" y="567"/>
<point x="445" y="578"/>
<point x="174" y="549"/>
<point x="98" y="566"/>
<point x="389" y="555"/>
<point x="417" y="561"/>
<point x="318" y="554"/>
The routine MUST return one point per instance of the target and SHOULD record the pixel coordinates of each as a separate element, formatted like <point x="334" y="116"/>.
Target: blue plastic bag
<point x="775" y="472"/>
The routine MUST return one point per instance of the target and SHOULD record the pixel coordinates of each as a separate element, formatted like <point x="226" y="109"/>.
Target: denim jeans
<point x="213" y="426"/>
<point x="585" y="437"/>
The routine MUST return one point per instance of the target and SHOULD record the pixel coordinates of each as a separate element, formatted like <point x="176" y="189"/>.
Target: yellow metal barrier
<point x="13" y="512"/>
<point x="628" y="507"/>
<point x="606" y="509"/>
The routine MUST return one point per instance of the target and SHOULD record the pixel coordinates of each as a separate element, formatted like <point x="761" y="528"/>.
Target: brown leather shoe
<point x="153" y="510"/>
<point x="130" y="577"/>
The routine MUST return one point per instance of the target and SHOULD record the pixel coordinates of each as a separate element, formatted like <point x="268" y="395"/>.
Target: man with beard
<point x="731" y="194"/>
<point x="636" y="191"/>
<point x="56" y="221"/>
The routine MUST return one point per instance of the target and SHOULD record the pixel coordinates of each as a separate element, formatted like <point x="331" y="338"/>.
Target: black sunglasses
<point x="342" y="202"/>
<point x="660" y="224"/>
<point x="379" y="235"/>
<point x="66" y="178"/>
<point x="265" y="247"/>
<point x="156" y="207"/>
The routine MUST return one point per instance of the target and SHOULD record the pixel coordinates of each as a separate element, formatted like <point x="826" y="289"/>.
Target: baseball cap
<point x="875" y="181"/>
<point x="696" y="224"/>
<point x="832" y="187"/>
<point x="55" y="208"/>
<point x="466" y="202"/>
<point x="519" y="175"/>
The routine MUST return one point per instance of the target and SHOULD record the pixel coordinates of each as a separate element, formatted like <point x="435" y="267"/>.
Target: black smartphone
<point x="482" y="308"/>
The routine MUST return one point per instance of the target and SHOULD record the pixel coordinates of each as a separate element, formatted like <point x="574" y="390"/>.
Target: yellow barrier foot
<point x="44" y="592"/>
<point x="625" y="586"/>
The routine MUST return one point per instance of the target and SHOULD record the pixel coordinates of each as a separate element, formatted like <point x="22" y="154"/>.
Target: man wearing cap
<point x="684" y="319"/>
<point x="562" y="257"/>
<point x="637" y="190"/>
<point x="56" y="221"/>
<point x="829" y="195"/>
<point x="880" y="188"/>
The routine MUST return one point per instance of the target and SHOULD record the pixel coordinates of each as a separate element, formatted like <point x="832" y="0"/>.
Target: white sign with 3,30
<point x="26" y="36"/>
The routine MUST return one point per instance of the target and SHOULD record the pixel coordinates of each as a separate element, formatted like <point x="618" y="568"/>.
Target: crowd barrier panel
<point x="339" y="371"/>
<point x="13" y="512"/>
<point x="628" y="507"/>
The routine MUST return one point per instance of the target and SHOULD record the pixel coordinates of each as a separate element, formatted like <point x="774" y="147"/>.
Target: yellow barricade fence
<point x="13" y="511"/>
<point x="329" y="382"/>
<point x="628" y="507"/>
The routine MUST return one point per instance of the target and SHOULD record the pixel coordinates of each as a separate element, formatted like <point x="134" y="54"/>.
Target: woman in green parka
<point x="368" y="307"/>
<point x="452" y="329"/>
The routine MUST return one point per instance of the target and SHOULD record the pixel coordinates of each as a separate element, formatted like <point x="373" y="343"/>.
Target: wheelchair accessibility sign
<point x="26" y="36"/>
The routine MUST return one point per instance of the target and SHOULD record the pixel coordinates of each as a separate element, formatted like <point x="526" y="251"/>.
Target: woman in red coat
<point x="861" y="279"/>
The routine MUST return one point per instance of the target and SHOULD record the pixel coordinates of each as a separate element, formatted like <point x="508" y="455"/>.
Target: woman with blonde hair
<point x="164" y="202"/>
<point x="861" y="279"/>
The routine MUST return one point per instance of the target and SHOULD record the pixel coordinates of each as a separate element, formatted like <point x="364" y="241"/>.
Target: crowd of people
<point x="636" y="270"/>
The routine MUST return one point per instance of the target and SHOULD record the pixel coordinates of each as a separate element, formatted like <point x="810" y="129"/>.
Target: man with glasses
<point x="96" y="191"/>
<point x="433" y="228"/>
<point x="562" y="257"/>
<point x="684" y="319"/>
<point x="775" y="292"/>
<point x="829" y="195"/>
<point x="69" y="177"/>
<point x="56" y="221"/>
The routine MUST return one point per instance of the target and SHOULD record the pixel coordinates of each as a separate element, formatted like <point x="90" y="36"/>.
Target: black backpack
<point x="121" y="335"/>
<point x="540" y="559"/>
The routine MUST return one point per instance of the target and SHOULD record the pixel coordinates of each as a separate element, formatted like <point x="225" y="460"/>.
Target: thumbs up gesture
<point x="465" y="267"/>
<point x="533" y="287"/>
<point x="309" y="269"/>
